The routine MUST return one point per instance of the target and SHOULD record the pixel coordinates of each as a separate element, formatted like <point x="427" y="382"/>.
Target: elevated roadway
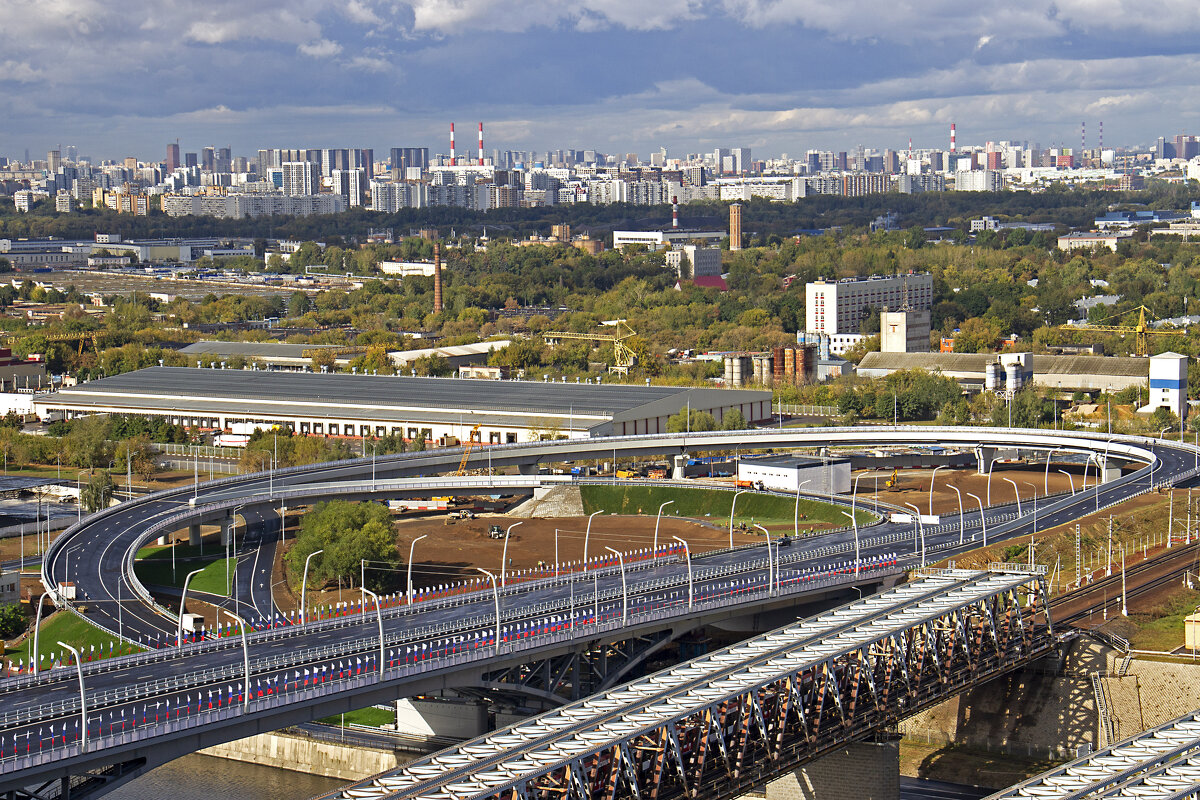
<point x="147" y="709"/>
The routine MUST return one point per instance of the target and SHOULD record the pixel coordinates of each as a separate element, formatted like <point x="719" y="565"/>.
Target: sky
<point x="124" y="77"/>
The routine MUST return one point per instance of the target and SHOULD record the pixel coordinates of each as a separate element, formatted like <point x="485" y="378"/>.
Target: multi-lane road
<point x="295" y="672"/>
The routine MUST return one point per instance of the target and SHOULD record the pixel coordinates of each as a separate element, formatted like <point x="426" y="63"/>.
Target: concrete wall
<point x="305" y="755"/>
<point x="458" y="719"/>
<point x="862" y="771"/>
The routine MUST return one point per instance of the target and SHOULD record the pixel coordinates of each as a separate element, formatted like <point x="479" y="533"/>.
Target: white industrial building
<point x="1168" y="383"/>
<point x="904" y="331"/>
<point x="657" y="240"/>
<point x="792" y="473"/>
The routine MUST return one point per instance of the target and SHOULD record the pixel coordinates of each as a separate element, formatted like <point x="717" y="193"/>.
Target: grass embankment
<point x="371" y="717"/>
<point x="65" y="626"/>
<point x="770" y="511"/>
<point x="156" y="570"/>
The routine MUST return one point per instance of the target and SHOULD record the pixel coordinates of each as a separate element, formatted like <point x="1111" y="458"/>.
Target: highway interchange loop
<point x="291" y="672"/>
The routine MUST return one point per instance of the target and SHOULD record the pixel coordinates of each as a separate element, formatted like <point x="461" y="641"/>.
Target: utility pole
<point x="1108" y="570"/>
<point x="1078" y="557"/>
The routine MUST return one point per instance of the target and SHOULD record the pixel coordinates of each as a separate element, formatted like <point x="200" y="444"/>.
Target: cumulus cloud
<point x="450" y="16"/>
<point x="322" y="48"/>
<point x="18" y="72"/>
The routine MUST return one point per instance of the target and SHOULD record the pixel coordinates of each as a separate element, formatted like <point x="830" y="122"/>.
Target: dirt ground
<point x="453" y="551"/>
<point x="913" y="485"/>
<point x="961" y="765"/>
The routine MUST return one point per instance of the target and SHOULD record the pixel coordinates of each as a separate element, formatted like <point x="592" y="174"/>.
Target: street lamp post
<point x="83" y="731"/>
<point x="624" y="587"/>
<point x="795" y="514"/>
<point x="991" y="464"/>
<point x="962" y="523"/>
<point x="182" y="600"/>
<point x="1046" y="478"/>
<point x="854" y="494"/>
<point x="918" y="531"/>
<point x="771" y="570"/>
<point x="504" y="555"/>
<point x="245" y="658"/>
<point x="982" y="518"/>
<point x="932" y="479"/>
<point x="378" y="619"/>
<point x="1016" y="492"/>
<point x="587" y="534"/>
<point x="654" y="553"/>
<point x="304" y="585"/>
<point x="1070" y="481"/>
<point x="687" y="554"/>
<point x="411" y="545"/>
<point x="733" y="505"/>
<point x="854" y="522"/>
<point x="37" y="629"/>
<point x="496" y="600"/>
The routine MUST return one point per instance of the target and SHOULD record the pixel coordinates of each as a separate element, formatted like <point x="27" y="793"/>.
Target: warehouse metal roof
<point x="1043" y="365"/>
<point x="336" y="394"/>
<point x="251" y="349"/>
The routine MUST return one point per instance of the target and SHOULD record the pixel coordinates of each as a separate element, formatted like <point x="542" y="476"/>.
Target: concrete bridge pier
<point x="194" y="535"/>
<point x="985" y="456"/>
<point x="678" y="467"/>
<point x="860" y="771"/>
<point x="527" y="469"/>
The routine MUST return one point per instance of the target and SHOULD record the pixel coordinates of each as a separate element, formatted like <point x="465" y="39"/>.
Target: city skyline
<point x="782" y="76"/>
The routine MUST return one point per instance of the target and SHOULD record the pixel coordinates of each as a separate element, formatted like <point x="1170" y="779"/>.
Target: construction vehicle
<point x="894" y="481"/>
<point x="623" y="357"/>
<point x="1141" y="330"/>
<point x="463" y="513"/>
<point x="471" y="442"/>
<point x="495" y="532"/>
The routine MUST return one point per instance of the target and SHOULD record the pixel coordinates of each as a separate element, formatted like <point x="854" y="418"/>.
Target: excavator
<point x="894" y="481"/>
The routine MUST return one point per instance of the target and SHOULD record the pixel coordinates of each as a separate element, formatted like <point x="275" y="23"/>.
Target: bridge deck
<point x="1163" y="762"/>
<point x="571" y="740"/>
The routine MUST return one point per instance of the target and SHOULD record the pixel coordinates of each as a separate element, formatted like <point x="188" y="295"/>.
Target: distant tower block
<point x="437" y="277"/>
<point x="735" y="226"/>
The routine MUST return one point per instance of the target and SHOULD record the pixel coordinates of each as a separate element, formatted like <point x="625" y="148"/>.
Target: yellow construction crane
<point x="623" y="357"/>
<point x="471" y="442"/>
<point x="80" y="337"/>
<point x="1141" y="329"/>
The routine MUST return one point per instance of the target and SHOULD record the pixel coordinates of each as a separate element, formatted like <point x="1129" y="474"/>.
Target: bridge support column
<point x="985" y="456"/>
<point x="527" y="469"/>
<point x="679" y="467"/>
<point x="194" y="535"/>
<point x="861" y="771"/>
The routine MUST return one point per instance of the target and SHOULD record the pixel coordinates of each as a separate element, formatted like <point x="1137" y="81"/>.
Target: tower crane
<point x="1141" y="330"/>
<point x="623" y="357"/>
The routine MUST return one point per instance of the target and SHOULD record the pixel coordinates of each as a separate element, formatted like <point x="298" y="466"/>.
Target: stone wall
<point x="861" y="771"/>
<point x="306" y="755"/>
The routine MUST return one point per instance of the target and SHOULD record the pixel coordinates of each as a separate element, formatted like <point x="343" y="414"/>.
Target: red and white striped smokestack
<point x="481" y="144"/>
<point x="674" y="212"/>
<point x="1102" y="136"/>
<point x="1082" y="138"/>
<point x="953" y="138"/>
<point x="452" y="161"/>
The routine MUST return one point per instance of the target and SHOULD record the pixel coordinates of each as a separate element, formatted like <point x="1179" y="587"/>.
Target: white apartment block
<point x="979" y="180"/>
<point x="838" y="307"/>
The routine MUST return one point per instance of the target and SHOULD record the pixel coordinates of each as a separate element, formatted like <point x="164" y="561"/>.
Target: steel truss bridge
<point x="554" y="636"/>
<point x="1163" y="763"/>
<point x="724" y="723"/>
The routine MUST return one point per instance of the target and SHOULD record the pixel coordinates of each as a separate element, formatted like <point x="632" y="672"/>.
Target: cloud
<point x="18" y="72"/>
<point x="322" y="48"/>
<point x="454" y="16"/>
<point x="359" y="12"/>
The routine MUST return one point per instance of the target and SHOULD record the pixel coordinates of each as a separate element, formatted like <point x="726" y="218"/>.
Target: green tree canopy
<point x="348" y="533"/>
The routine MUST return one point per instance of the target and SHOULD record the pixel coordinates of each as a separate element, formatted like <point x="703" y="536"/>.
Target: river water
<point x="197" y="777"/>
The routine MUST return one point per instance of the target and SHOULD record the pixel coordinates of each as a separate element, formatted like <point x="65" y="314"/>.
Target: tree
<point x="87" y="444"/>
<point x="138" y="455"/>
<point x="98" y="491"/>
<point x="735" y="420"/>
<point x="348" y="533"/>
<point x="700" y="421"/>
<point x="12" y="621"/>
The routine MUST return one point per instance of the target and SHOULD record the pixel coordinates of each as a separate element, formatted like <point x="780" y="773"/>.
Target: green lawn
<point x="157" y="571"/>
<point x="1161" y="628"/>
<point x="766" y="510"/>
<point x="155" y="552"/>
<point x="68" y="628"/>
<point x="371" y="717"/>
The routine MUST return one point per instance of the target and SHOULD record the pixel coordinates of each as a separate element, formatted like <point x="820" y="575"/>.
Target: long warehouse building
<point x="336" y="404"/>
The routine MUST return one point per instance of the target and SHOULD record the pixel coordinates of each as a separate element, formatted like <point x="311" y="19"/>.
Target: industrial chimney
<point x="481" y="144"/>
<point x="437" y="277"/>
<point x="674" y="213"/>
<point x="452" y="161"/>
<point x="735" y="227"/>
<point x="953" y="138"/>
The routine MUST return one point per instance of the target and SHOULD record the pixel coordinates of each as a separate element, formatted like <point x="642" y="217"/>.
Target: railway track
<point x="1140" y="579"/>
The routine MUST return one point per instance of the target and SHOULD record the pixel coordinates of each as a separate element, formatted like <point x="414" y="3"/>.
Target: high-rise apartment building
<point x="172" y="157"/>
<point x="405" y="157"/>
<point x="53" y="161"/>
<point x="735" y="226"/>
<point x="351" y="184"/>
<point x="838" y="307"/>
<point x="301" y="178"/>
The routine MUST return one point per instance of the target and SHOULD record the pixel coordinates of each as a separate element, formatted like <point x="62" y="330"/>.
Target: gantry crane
<point x="623" y="357"/>
<point x="80" y="337"/>
<point x="1142" y="330"/>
